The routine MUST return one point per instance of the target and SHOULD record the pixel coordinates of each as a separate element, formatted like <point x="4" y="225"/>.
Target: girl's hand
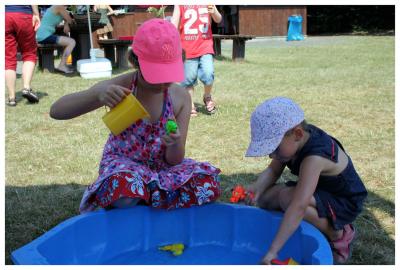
<point x="268" y="258"/>
<point x="113" y="95"/>
<point x="172" y="138"/>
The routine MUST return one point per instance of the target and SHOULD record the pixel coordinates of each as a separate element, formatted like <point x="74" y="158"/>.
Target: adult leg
<point x="11" y="77"/>
<point x="27" y="43"/>
<point x="10" y="57"/>
<point x="68" y="44"/>
<point x="28" y="68"/>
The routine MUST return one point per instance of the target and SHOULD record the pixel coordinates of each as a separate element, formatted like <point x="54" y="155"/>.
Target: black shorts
<point x="338" y="210"/>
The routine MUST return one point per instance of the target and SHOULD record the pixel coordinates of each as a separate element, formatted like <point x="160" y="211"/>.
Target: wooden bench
<point x="118" y="59"/>
<point x="239" y="45"/>
<point x="46" y="56"/>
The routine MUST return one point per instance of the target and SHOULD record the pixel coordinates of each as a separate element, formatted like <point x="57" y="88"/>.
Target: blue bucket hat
<point x="269" y="122"/>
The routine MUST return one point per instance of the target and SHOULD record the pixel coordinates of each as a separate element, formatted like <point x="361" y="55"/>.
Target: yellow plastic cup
<point x="127" y="112"/>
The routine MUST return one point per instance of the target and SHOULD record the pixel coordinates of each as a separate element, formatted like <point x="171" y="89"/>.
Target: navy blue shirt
<point x="348" y="183"/>
<point x="21" y="8"/>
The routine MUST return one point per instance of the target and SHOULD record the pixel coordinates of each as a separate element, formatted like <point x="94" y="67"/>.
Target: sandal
<point x="209" y="104"/>
<point x="193" y="113"/>
<point x="342" y="247"/>
<point x="11" y="102"/>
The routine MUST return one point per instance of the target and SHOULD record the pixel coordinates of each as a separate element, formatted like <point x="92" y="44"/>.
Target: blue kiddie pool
<point x="211" y="234"/>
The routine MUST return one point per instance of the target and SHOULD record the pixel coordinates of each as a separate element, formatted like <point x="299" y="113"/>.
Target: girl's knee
<point x="125" y="202"/>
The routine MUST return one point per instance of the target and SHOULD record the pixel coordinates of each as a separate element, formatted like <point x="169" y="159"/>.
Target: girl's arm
<point x="175" y="142"/>
<point x="310" y="171"/>
<point x="62" y="11"/>
<point x="109" y="93"/>
<point x="176" y="16"/>
<point x="215" y="15"/>
<point x="111" y="11"/>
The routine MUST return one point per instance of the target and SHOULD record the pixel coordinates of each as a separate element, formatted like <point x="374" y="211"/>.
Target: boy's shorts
<point x="338" y="210"/>
<point x="53" y="39"/>
<point x="200" y="67"/>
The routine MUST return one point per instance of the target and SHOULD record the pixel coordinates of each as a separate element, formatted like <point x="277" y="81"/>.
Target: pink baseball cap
<point x="157" y="45"/>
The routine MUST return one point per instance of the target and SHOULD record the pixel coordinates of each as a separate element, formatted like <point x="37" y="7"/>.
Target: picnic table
<point x="116" y="50"/>
<point x="239" y="45"/>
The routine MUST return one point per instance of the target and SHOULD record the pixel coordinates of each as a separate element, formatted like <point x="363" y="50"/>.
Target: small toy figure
<point x="176" y="249"/>
<point x="288" y="261"/>
<point x="171" y="126"/>
<point x="240" y="194"/>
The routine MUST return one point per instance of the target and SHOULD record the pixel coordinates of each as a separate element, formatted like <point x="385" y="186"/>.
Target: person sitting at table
<point x="105" y="11"/>
<point x="46" y="33"/>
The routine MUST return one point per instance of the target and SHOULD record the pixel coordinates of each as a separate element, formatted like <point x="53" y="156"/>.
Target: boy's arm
<point x="176" y="15"/>
<point x="267" y="178"/>
<point x="215" y="15"/>
<point x="310" y="171"/>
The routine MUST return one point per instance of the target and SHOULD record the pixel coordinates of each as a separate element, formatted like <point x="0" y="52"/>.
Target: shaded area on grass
<point x="29" y="215"/>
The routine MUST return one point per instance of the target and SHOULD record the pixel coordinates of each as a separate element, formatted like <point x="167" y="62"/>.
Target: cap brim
<point x="263" y="148"/>
<point x="155" y="73"/>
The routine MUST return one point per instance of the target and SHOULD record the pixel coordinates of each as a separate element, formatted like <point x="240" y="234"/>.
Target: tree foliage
<point x="347" y="19"/>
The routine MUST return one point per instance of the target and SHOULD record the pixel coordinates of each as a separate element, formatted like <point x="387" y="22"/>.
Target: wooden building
<point x="254" y="20"/>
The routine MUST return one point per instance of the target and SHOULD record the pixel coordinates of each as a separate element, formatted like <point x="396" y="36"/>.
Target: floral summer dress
<point x="133" y="166"/>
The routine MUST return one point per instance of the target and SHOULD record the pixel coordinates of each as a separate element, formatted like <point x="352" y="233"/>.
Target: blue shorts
<point x="200" y="67"/>
<point x="53" y="39"/>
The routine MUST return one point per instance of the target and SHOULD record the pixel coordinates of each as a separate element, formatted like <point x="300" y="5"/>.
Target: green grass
<point x="344" y="84"/>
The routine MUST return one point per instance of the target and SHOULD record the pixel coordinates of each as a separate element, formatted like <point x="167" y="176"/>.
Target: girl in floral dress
<point x="143" y="163"/>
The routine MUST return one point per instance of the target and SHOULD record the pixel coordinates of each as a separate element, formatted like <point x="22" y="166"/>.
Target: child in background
<point x="194" y="24"/>
<point x="143" y="163"/>
<point x="53" y="16"/>
<point x="329" y="193"/>
<point x="105" y="11"/>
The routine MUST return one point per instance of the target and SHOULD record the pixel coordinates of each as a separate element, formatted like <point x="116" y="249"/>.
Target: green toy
<point x="171" y="126"/>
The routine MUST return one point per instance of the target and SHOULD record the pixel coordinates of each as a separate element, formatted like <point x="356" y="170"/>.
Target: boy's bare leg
<point x="311" y="214"/>
<point x="270" y="198"/>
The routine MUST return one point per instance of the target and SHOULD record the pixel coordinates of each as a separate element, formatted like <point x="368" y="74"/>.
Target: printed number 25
<point x="191" y="14"/>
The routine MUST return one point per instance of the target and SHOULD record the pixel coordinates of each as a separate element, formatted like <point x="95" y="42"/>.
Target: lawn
<point x="345" y="84"/>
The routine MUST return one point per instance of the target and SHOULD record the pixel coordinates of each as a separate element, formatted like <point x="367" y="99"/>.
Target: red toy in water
<point x="288" y="261"/>
<point x="240" y="194"/>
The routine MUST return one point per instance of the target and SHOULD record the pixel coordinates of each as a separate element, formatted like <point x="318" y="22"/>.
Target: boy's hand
<point x="211" y="9"/>
<point x="253" y="188"/>
<point x="268" y="258"/>
<point x="113" y="95"/>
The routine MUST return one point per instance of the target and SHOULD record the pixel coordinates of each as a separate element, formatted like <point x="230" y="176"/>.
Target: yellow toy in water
<point x="176" y="249"/>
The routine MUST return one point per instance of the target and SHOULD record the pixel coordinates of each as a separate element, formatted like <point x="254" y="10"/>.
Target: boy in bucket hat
<point x="145" y="164"/>
<point x="329" y="193"/>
